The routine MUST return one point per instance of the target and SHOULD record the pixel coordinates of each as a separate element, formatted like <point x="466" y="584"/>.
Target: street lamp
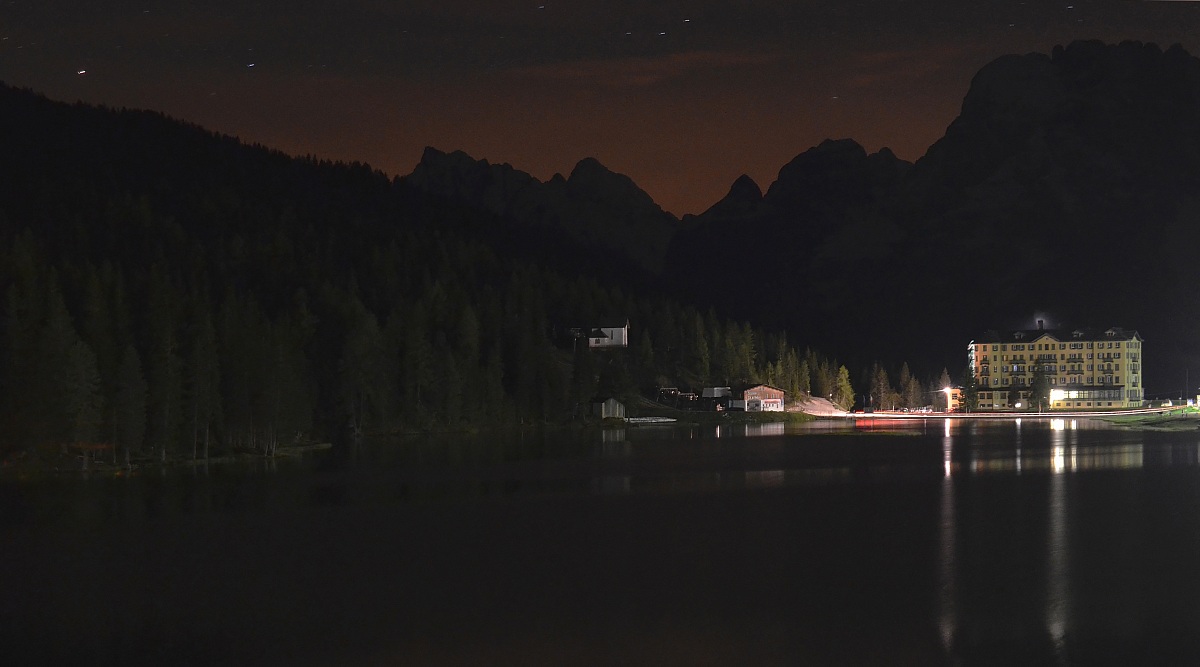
<point x="947" y="390"/>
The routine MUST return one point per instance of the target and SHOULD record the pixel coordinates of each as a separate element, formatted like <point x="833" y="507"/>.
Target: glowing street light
<point x="948" y="391"/>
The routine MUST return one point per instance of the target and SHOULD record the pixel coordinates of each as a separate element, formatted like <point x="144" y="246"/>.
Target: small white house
<point x="603" y="337"/>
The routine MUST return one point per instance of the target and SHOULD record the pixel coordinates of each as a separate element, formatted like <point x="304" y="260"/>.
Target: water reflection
<point x="613" y="446"/>
<point x="764" y="478"/>
<point x="613" y="435"/>
<point x="610" y="448"/>
<point x="635" y="460"/>
<point x="1056" y="609"/>
<point x="982" y="537"/>
<point x="1054" y="445"/>
<point x="749" y="430"/>
<point x="995" y="560"/>
<point x="947" y="621"/>
<point x="1061" y="459"/>
<point x="611" y="484"/>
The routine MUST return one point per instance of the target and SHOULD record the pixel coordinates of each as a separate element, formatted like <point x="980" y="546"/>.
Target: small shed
<point x="609" y="407"/>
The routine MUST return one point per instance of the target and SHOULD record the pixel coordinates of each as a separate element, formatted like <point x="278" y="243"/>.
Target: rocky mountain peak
<point x="742" y="201"/>
<point x="836" y="171"/>
<point x="592" y="181"/>
<point x="1086" y="101"/>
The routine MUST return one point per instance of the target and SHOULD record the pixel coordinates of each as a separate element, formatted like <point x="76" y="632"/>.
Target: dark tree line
<point x="906" y="392"/>
<point x="170" y="366"/>
<point x="172" y="293"/>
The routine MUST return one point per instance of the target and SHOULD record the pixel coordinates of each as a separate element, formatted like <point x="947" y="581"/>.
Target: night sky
<point x="683" y="95"/>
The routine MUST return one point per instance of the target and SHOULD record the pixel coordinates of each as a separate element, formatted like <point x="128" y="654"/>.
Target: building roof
<point x="745" y="387"/>
<point x="1057" y="335"/>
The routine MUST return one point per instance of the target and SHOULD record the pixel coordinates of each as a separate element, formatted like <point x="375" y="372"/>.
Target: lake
<point x="933" y="542"/>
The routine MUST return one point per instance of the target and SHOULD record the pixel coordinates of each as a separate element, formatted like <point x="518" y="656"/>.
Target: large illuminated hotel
<point x="1086" y="368"/>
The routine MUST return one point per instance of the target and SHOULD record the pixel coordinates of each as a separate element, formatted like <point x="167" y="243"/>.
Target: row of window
<point x="1061" y="357"/>
<point x="1063" y="368"/>
<point x="1072" y="395"/>
<point x="1018" y="347"/>
<point x="1069" y="380"/>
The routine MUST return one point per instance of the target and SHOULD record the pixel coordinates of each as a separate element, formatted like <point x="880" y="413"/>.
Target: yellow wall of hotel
<point x="1124" y="370"/>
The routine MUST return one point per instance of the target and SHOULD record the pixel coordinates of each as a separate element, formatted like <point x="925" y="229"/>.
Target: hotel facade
<point x="1085" y="368"/>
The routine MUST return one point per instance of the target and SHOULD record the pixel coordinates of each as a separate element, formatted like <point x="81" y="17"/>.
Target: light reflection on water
<point x="678" y="459"/>
<point x="1041" y="535"/>
<point x="1057" y="558"/>
<point x="1054" y="450"/>
<point x="749" y="430"/>
<point x="947" y="621"/>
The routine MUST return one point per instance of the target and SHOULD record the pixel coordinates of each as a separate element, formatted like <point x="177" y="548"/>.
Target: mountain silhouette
<point x="1067" y="186"/>
<point x="1065" y="190"/>
<point x="594" y="208"/>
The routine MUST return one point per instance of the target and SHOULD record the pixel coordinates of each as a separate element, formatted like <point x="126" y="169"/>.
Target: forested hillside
<point x="171" y="292"/>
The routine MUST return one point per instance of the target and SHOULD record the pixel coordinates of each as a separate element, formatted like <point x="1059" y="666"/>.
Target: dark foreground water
<point x="999" y="543"/>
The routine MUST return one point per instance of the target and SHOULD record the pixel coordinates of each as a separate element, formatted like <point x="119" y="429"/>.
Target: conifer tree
<point x="881" y="388"/>
<point x="416" y="367"/>
<point x="164" y="373"/>
<point x="452" y="390"/>
<point x="65" y="385"/>
<point x="911" y="393"/>
<point x="583" y="377"/>
<point x="202" y="383"/>
<point x="362" y="379"/>
<point x="129" y="405"/>
<point x="644" y="358"/>
<point x="468" y="355"/>
<point x="493" y="384"/>
<point x="970" y="394"/>
<point x="82" y="400"/>
<point x="99" y="332"/>
<point x="804" y="377"/>
<point x="700" y="361"/>
<point x="843" y="394"/>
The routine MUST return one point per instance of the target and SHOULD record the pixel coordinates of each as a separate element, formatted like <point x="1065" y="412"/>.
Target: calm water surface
<point x="935" y="542"/>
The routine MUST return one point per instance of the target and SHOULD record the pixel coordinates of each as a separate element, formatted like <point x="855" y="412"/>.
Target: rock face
<point x="1087" y="117"/>
<point x="498" y="189"/>
<point x="742" y="201"/>
<point x="1068" y="184"/>
<point x="833" y="178"/>
<point x="594" y="208"/>
<point x="782" y="253"/>
<point x="1065" y="185"/>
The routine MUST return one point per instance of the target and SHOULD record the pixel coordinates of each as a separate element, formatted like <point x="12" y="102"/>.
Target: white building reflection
<point x="750" y="430"/>
<point x="1056" y="609"/>
<point x="764" y="478"/>
<point x="613" y="445"/>
<point x="1065" y="454"/>
<point x="947" y="571"/>
<point x="1056" y="453"/>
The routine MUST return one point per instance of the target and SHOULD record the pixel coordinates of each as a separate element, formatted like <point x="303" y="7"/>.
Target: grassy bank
<point x="1183" y="419"/>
